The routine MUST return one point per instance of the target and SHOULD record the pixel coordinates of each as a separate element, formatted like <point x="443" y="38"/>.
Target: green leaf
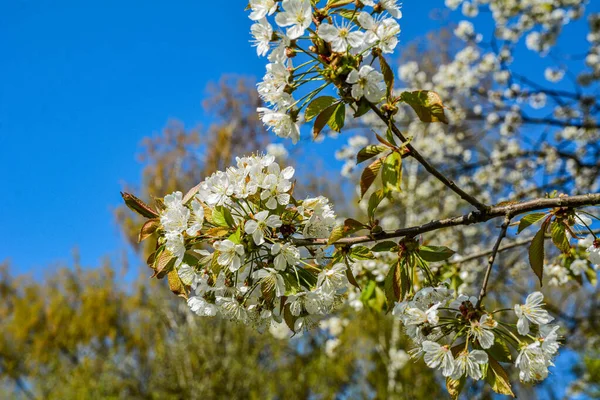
<point x="338" y="3"/>
<point x="368" y="176"/>
<point x="317" y="106"/>
<point x="455" y="386"/>
<point x="351" y="15"/>
<point x="221" y="216"/>
<point x="360" y="253"/>
<point x="175" y="284"/>
<point x="559" y="237"/>
<point x="536" y="253"/>
<point x="388" y="74"/>
<point x="337" y="119"/>
<point x="435" y="253"/>
<point x="164" y="263"/>
<point x="351" y="277"/>
<point x="427" y="105"/>
<point x="374" y="201"/>
<point x="148" y="229"/>
<point x="369" y="152"/>
<point x="498" y="379"/>
<point x="350" y="226"/>
<point x="138" y="206"/>
<point x="368" y="291"/>
<point x="391" y="173"/>
<point x="323" y="119"/>
<point x="592" y="276"/>
<point x="397" y="284"/>
<point x="529" y="220"/>
<point x="236" y="237"/>
<point x="500" y="351"/>
<point x="363" y="107"/>
<point x="388" y="245"/>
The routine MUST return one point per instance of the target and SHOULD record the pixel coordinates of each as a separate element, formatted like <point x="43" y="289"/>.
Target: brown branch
<point x="430" y="168"/>
<point x="465" y="219"/>
<point x="492" y="258"/>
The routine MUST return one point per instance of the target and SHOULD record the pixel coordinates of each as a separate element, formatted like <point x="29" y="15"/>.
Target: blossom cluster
<point x="463" y="340"/>
<point x="231" y="241"/>
<point x="331" y="43"/>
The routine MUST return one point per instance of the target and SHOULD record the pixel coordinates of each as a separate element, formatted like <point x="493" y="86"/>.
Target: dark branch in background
<point x="512" y="245"/>
<point x="430" y="168"/>
<point x="465" y="219"/>
<point x="495" y="249"/>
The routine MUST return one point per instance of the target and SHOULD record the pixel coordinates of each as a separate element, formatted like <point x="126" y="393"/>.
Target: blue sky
<point x="83" y="83"/>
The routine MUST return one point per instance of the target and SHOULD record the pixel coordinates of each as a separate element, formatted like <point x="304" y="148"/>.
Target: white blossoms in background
<point x="259" y="226"/>
<point x="297" y="15"/>
<point x="368" y="83"/>
<point x="262" y="32"/>
<point x="230" y="254"/>
<point x="532" y="311"/>
<point x="554" y="74"/>
<point x="341" y="37"/>
<point x="440" y="356"/>
<point x="465" y="31"/>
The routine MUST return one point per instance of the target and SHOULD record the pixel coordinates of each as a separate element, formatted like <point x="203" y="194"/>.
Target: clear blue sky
<point x="82" y="83"/>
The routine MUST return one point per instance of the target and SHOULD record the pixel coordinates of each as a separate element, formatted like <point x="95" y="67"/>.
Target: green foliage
<point x="427" y="104"/>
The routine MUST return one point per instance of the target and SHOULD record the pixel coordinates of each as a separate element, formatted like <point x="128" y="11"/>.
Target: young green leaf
<point x="498" y="378"/>
<point x="369" y="152"/>
<point x="529" y="220"/>
<point x="435" y="253"/>
<point x="323" y="119"/>
<point x="388" y="245"/>
<point x="337" y="119"/>
<point x="138" y="206"/>
<point x="175" y="284"/>
<point x="455" y="386"/>
<point x="559" y="237"/>
<point x="427" y="104"/>
<point x="317" y="106"/>
<point x="391" y="173"/>
<point x="374" y="201"/>
<point x="360" y="253"/>
<point x="536" y="253"/>
<point x="148" y="229"/>
<point x="368" y="176"/>
<point x="388" y="74"/>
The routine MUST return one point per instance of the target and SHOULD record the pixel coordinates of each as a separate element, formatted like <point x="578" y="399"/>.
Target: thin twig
<point x="430" y="168"/>
<point x="466" y="219"/>
<point x="508" y="246"/>
<point x="492" y="258"/>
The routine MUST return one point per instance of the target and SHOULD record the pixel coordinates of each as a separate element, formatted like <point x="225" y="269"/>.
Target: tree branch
<point x="465" y="219"/>
<point x="430" y="168"/>
<point x="492" y="258"/>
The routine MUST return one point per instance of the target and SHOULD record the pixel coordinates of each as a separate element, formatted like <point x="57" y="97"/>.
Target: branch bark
<point x="492" y="258"/>
<point x="466" y="219"/>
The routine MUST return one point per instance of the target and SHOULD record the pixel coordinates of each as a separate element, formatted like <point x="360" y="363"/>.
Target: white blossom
<point x="368" y="83"/>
